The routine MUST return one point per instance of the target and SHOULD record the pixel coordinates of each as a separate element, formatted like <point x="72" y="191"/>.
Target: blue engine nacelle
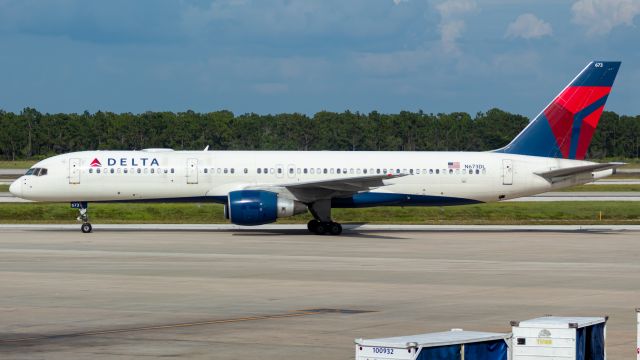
<point x="257" y="207"/>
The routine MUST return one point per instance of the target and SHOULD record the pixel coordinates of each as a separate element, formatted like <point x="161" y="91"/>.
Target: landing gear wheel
<point x="335" y="228"/>
<point x="312" y="225"/>
<point x="322" y="228"/>
<point x="86" y="228"/>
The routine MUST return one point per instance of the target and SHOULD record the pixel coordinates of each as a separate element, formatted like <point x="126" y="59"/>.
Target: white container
<point x="554" y="337"/>
<point x="454" y="344"/>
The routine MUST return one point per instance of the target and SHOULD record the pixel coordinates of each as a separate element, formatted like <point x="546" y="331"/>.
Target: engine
<point x="257" y="207"/>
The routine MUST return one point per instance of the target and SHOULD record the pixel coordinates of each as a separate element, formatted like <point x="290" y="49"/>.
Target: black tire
<point x="86" y="228"/>
<point x="335" y="229"/>
<point x="322" y="228"/>
<point x="312" y="225"/>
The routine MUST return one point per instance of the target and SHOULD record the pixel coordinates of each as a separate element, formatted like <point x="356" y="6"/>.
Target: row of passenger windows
<point x="292" y="171"/>
<point x="132" y="171"/>
<point x="370" y="171"/>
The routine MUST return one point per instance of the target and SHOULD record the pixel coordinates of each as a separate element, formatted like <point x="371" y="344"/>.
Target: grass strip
<point x="496" y="213"/>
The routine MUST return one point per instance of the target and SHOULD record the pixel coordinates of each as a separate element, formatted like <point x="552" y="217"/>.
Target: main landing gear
<point x="322" y="223"/>
<point x="84" y="217"/>
<point x="322" y="227"/>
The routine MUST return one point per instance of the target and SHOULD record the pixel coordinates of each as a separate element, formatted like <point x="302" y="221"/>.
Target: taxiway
<point x="279" y="293"/>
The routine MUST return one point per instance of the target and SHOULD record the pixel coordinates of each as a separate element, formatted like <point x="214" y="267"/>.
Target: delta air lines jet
<point x="258" y="187"/>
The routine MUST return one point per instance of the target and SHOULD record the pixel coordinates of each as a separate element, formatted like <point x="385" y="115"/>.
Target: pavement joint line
<point x="297" y="313"/>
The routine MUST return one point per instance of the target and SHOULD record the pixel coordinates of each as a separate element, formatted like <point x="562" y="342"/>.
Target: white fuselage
<point x="162" y="175"/>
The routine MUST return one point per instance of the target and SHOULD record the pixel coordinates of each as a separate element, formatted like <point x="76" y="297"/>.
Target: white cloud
<point x="601" y="16"/>
<point x="397" y="2"/>
<point x="528" y="26"/>
<point x="451" y="25"/>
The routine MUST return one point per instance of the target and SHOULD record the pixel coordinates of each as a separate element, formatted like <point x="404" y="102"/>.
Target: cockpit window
<point x="36" y="172"/>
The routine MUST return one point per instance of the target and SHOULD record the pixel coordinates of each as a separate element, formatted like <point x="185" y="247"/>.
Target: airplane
<point x="259" y="187"/>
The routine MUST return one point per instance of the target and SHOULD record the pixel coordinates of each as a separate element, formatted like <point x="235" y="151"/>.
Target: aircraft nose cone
<point x="16" y="188"/>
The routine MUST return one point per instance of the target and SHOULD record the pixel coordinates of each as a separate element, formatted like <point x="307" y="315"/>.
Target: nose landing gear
<point x="83" y="216"/>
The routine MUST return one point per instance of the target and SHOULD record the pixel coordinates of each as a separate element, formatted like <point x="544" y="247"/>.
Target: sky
<point x="275" y="56"/>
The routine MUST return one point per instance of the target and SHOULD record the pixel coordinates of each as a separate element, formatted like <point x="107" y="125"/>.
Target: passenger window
<point x="397" y="171"/>
<point x="45" y="172"/>
<point x="146" y="170"/>
<point x="233" y="170"/>
<point x="279" y="170"/>
<point x="206" y="171"/>
<point x="153" y="171"/>
<point x="173" y="170"/>
<point x="218" y="170"/>
<point x="291" y="170"/>
<point x="126" y="170"/>
<point x="470" y="171"/>
<point x="166" y="171"/>
<point x="325" y="170"/>
<point x="265" y="170"/>
<point x="111" y="170"/>
<point x="430" y="171"/>
<point x="226" y="170"/>
<point x="484" y="171"/>
<point x="437" y="171"/>
<point x="378" y="171"/>
<point x="384" y="171"/>
<point x="450" y="171"/>
<point x="411" y="171"/>
<point x="246" y="171"/>
<point x="364" y="171"/>
<point x="338" y="170"/>
<point x="331" y="170"/>
<point x="318" y="171"/>
<point x="259" y="171"/>
<point x="351" y="171"/>
<point x="139" y="171"/>
<point x="271" y="171"/>
<point x="305" y="170"/>
<point x="404" y="171"/>
<point x="477" y="171"/>
<point x="312" y="171"/>
<point x="90" y="172"/>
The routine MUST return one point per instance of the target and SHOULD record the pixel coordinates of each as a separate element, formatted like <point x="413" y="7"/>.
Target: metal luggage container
<point x="559" y="338"/>
<point x="449" y="345"/>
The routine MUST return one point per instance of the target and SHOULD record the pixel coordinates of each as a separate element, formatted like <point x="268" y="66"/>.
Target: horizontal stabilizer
<point x="579" y="170"/>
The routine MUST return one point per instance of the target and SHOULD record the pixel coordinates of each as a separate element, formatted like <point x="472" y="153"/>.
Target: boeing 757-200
<point x="258" y="187"/>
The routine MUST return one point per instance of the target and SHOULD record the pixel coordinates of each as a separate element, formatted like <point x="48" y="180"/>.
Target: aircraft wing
<point x="310" y="191"/>
<point x="578" y="170"/>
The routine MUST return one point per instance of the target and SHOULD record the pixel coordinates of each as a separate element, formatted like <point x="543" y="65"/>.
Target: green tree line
<point x="31" y="134"/>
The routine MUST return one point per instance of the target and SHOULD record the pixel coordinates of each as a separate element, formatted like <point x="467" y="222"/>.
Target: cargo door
<point x="74" y="171"/>
<point x="192" y="171"/>
<point x="507" y="172"/>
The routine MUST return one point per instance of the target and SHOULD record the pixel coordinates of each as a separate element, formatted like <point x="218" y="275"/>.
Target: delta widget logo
<point x="96" y="163"/>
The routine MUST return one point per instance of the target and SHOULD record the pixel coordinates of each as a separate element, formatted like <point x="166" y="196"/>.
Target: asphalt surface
<point x="280" y="293"/>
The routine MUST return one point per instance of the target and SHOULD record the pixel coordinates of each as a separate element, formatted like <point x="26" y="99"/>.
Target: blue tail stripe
<point x="577" y="123"/>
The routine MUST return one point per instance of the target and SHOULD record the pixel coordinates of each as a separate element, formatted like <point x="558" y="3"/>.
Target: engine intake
<point x="257" y="207"/>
